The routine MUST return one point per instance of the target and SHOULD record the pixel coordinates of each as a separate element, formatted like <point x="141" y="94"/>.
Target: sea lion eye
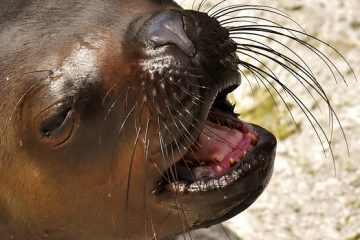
<point x="55" y="125"/>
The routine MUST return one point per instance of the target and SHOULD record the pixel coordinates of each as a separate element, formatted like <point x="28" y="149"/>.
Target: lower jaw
<point x="209" y="202"/>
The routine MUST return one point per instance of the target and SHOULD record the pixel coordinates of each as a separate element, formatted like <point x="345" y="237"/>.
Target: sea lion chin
<point x="115" y="122"/>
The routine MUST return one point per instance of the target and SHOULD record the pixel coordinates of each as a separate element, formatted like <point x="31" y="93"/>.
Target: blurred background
<point x="311" y="195"/>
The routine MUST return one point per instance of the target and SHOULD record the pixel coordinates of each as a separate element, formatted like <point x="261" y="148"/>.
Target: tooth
<point x="232" y="161"/>
<point x="203" y="186"/>
<point x="194" y="187"/>
<point x="222" y="182"/>
<point x="178" y="187"/>
<point x="245" y="152"/>
<point x="211" y="184"/>
<point x="214" y="184"/>
<point x="235" y="175"/>
<point x="253" y="139"/>
<point x="218" y="168"/>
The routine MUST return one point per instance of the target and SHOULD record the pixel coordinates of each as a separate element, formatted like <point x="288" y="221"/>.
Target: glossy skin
<point x="89" y="172"/>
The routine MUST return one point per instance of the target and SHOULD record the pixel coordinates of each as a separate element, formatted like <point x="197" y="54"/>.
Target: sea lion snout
<point x="191" y="42"/>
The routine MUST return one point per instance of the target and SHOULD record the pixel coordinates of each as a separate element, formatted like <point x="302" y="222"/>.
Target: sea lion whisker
<point x="146" y="185"/>
<point x="139" y="119"/>
<point x="277" y="81"/>
<point x="201" y="4"/>
<point x="113" y="223"/>
<point x="289" y="68"/>
<point x="320" y="54"/>
<point x="308" y="114"/>
<point x="177" y="127"/>
<point x="162" y="175"/>
<point x="170" y="135"/>
<point x="177" y="200"/>
<point x="262" y="8"/>
<point x="324" y="98"/>
<point x="249" y="83"/>
<point x="128" y="181"/>
<point x="273" y="75"/>
<point x="167" y="127"/>
<point x="196" y="97"/>
<point x="189" y="141"/>
<point x="253" y="74"/>
<point x="231" y="20"/>
<point x="255" y="70"/>
<point x="225" y="231"/>
<point x="224" y="11"/>
<point x="253" y="7"/>
<point x="107" y="94"/>
<point x="162" y="144"/>
<point x="187" y="133"/>
<point x="127" y="96"/>
<point x="309" y="74"/>
<point x="192" y="75"/>
<point x="180" y="114"/>
<point x="306" y="70"/>
<point x="208" y="12"/>
<point x="22" y="98"/>
<point x="118" y="134"/>
<point x="108" y="112"/>
<point x="257" y="77"/>
<point x="189" y="137"/>
<point x="330" y="116"/>
<point x="199" y="86"/>
<point x="146" y="143"/>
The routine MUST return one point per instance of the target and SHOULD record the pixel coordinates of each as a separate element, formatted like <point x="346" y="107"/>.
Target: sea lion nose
<point x="167" y="28"/>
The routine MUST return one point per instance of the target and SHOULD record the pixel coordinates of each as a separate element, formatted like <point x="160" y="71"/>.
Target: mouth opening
<point x="214" y="160"/>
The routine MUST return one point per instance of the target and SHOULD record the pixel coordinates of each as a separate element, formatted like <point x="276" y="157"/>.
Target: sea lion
<point x="115" y="123"/>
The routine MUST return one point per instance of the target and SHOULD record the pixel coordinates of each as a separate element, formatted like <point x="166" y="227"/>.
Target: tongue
<point x="215" y="143"/>
<point x="218" y="149"/>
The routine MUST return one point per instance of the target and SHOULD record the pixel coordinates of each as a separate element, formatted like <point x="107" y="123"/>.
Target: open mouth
<point x="222" y="154"/>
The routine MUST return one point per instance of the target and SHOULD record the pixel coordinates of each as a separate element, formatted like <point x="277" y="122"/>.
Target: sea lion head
<point x="115" y="123"/>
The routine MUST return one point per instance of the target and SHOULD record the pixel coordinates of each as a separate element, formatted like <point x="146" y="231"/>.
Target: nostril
<point x="168" y="28"/>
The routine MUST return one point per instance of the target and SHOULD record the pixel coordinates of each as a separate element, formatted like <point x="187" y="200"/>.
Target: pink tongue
<point x="215" y="142"/>
<point x="217" y="147"/>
